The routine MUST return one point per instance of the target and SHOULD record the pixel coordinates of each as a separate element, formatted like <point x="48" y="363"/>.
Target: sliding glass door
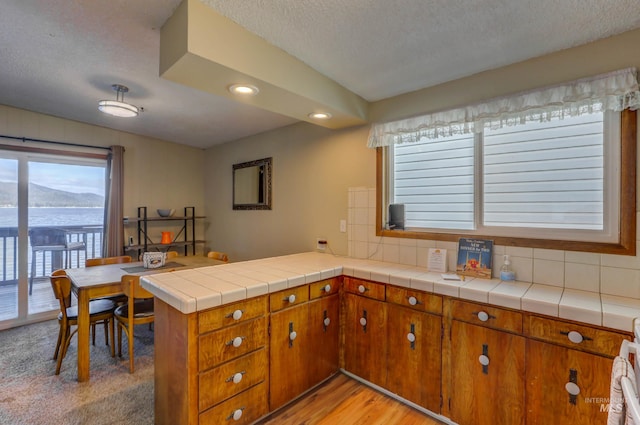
<point x="8" y="239"/>
<point x="54" y="208"/>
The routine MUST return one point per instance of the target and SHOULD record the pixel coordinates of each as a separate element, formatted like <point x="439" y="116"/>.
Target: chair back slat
<point x="132" y="289"/>
<point x="61" y="285"/>
<point x="220" y="256"/>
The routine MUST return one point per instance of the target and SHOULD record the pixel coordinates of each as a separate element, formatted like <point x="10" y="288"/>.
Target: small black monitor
<point x="396" y="216"/>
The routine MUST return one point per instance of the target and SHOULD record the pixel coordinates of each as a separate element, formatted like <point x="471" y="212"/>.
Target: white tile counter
<point x="199" y="289"/>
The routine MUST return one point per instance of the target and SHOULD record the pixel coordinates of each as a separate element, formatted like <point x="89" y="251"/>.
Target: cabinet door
<point x="414" y="356"/>
<point x="365" y="348"/>
<point x="324" y="326"/>
<point x="288" y="354"/>
<point x="486" y="377"/>
<point x="549" y="369"/>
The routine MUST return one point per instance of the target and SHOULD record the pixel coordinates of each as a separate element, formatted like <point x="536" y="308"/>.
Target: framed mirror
<point x="252" y="185"/>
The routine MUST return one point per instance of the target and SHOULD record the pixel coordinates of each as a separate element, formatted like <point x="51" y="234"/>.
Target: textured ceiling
<point x="59" y="57"/>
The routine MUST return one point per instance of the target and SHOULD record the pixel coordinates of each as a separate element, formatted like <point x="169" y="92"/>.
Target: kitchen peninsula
<point x="228" y="336"/>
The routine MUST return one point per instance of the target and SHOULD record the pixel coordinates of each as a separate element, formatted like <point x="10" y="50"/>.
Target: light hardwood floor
<point x="345" y="401"/>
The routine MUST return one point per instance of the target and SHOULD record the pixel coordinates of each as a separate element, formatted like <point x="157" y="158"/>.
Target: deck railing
<point x="48" y="261"/>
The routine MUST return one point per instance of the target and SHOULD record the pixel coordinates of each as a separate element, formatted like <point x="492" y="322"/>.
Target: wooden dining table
<point x="105" y="280"/>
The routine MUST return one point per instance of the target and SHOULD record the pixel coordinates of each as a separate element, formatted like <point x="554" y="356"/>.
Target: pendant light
<point x="118" y="107"/>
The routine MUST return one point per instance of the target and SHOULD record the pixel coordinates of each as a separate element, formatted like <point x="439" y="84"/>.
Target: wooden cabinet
<point x="414" y="356"/>
<point x="212" y="365"/>
<point x="232" y="360"/>
<point x="324" y="329"/>
<point x="487" y="369"/>
<point x="365" y="330"/>
<point x="568" y="371"/>
<point x="303" y="340"/>
<point x="471" y="362"/>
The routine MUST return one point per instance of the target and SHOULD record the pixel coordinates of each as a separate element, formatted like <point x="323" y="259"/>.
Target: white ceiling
<point x="59" y="57"/>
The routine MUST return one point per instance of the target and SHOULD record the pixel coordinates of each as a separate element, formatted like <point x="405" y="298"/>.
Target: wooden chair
<point x="220" y="256"/>
<point x="171" y="254"/>
<point x="100" y="311"/>
<point x="90" y="262"/>
<point x="142" y="312"/>
<point x="122" y="259"/>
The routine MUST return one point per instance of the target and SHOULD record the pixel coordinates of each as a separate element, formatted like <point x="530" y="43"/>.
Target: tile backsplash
<point x="611" y="275"/>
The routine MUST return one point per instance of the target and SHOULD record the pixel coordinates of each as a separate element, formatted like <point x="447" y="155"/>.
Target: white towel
<point x="619" y="414"/>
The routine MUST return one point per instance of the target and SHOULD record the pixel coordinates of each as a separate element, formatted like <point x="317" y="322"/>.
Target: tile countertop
<point x="202" y="288"/>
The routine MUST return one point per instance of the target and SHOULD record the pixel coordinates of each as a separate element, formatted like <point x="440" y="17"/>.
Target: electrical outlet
<point x="321" y="244"/>
<point x="343" y="226"/>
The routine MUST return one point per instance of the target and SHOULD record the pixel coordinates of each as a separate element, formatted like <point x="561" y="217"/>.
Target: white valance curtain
<point x="613" y="91"/>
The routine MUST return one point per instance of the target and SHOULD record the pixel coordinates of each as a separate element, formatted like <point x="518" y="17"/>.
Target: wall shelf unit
<point x="184" y="237"/>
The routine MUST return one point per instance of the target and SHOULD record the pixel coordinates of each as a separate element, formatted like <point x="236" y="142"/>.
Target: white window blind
<point x="551" y="179"/>
<point x="545" y="175"/>
<point x="434" y="179"/>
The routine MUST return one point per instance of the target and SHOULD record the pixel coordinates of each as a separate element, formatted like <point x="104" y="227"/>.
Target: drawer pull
<point x="413" y="301"/>
<point x="291" y="298"/>
<point x="484" y="360"/>
<point x="236" y="414"/>
<point x="236" y="377"/>
<point x="572" y="388"/>
<point x="327" y="288"/>
<point x="293" y="335"/>
<point x="326" y="322"/>
<point x="576" y="337"/>
<point x="411" y="336"/>
<point x="362" y="289"/>
<point x="483" y="316"/>
<point x="236" y="315"/>
<point x="236" y="342"/>
<point x="363" y="321"/>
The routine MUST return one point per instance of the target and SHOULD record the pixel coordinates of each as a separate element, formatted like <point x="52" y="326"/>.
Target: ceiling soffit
<point x="205" y="50"/>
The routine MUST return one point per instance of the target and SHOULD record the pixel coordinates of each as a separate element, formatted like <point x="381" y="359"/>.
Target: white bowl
<point x="166" y="213"/>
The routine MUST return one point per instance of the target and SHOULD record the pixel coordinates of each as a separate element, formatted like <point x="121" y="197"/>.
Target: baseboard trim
<point x="398" y="398"/>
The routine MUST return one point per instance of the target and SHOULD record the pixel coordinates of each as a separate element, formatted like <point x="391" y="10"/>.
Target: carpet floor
<point x="31" y="393"/>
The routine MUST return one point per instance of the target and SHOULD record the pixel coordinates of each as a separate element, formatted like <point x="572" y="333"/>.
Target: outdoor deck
<point x="41" y="299"/>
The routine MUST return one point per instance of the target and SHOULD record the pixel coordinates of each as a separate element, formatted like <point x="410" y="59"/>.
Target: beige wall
<point x="158" y="174"/>
<point x="313" y="167"/>
<point x="312" y="170"/>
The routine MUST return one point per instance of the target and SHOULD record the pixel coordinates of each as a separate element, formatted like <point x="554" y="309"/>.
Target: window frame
<point x="625" y="245"/>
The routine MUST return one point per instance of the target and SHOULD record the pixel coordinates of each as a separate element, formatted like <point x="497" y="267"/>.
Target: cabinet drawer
<point x="242" y="409"/>
<point x="415" y="299"/>
<point x="365" y="288"/>
<point x="324" y="288"/>
<point x="288" y="297"/>
<point x="483" y="315"/>
<point x="222" y="382"/>
<point x="229" y="314"/>
<point x="228" y="343"/>
<point x="585" y="338"/>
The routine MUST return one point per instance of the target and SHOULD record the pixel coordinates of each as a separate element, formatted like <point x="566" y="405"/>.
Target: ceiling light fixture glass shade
<point x="244" y="89"/>
<point x="118" y="107"/>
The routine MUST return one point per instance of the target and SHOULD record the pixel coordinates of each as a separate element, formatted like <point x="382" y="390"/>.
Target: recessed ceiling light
<point x="320" y="115"/>
<point x="244" y="89"/>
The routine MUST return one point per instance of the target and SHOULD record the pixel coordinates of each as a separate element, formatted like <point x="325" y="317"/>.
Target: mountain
<point x="42" y="196"/>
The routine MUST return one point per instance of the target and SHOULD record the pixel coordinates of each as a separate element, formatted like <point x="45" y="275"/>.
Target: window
<point x="53" y="198"/>
<point x="563" y="184"/>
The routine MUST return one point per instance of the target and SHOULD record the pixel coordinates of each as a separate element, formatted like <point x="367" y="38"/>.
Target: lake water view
<point x="54" y="217"/>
